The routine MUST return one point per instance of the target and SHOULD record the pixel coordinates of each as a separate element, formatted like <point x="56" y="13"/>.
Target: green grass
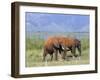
<point x="34" y="59"/>
<point x="34" y="43"/>
<point x="34" y="52"/>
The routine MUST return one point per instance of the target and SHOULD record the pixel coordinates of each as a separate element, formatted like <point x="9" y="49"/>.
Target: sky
<point x="50" y="22"/>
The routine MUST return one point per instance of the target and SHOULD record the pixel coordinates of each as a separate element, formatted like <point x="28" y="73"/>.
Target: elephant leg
<point x="79" y="50"/>
<point x="56" y="55"/>
<point x="74" y="51"/>
<point x="64" y="54"/>
<point x="51" y="57"/>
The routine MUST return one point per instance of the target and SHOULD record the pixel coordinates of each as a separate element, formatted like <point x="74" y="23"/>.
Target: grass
<point x="34" y="59"/>
<point x="34" y="52"/>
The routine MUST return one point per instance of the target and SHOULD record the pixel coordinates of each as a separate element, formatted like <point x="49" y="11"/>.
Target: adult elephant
<point x="70" y="44"/>
<point x="52" y="46"/>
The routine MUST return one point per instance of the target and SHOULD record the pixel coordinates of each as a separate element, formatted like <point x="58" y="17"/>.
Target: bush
<point x="85" y="43"/>
<point x="34" y="43"/>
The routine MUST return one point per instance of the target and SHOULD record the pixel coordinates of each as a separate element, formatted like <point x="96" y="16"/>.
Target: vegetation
<point x="34" y="52"/>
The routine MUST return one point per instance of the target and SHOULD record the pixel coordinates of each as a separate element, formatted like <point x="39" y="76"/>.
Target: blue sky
<point x="46" y="22"/>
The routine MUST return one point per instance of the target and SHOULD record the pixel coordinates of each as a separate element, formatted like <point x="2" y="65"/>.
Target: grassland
<point x="34" y="52"/>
